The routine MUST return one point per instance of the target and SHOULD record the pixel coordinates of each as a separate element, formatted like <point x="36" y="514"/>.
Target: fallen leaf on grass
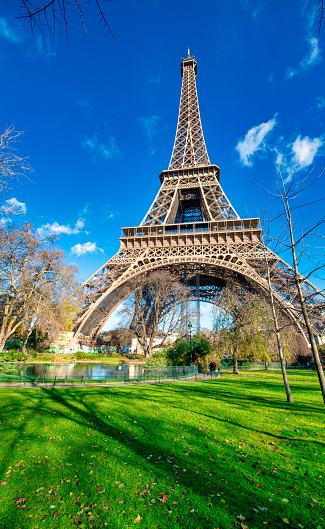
<point x="3" y="483"/>
<point x="52" y="506"/>
<point x="105" y="507"/>
<point x="20" y="501"/>
<point x="313" y="499"/>
<point x="138" y="519"/>
<point x="243" y="526"/>
<point x="164" y="497"/>
<point x="240" y="518"/>
<point x="285" y="500"/>
<point x="286" y="520"/>
<point x="56" y="513"/>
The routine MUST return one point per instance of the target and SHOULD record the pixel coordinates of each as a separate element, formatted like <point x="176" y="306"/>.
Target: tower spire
<point x="189" y="147"/>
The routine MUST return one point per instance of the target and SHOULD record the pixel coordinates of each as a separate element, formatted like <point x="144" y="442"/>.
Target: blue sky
<point x="100" y="117"/>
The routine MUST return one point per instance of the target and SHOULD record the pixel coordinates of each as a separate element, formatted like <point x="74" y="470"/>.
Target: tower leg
<point x="197" y="293"/>
<point x="184" y="329"/>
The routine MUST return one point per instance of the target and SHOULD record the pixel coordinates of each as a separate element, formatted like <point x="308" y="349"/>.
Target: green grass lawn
<point x="227" y="453"/>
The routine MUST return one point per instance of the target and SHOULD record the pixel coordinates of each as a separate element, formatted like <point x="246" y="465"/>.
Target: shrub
<point x="13" y="355"/>
<point x="81" y="355"/>
<point x="9" y="369"/>
<point x="162" y="357"/>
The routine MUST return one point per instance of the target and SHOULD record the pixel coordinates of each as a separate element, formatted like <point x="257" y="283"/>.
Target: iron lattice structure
<point x="193" y="230"/>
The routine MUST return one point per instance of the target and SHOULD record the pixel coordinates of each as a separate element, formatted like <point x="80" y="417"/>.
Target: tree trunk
<point x="235" y="369"/>
<point x="314" y="349"/>
<point x="2" y="343"/>
<point x="277" y="334"/>
<point x="283" y="367"/>
<point x="144" y="344"/>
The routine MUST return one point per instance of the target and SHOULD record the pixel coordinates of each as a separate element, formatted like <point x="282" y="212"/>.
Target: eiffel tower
<point x="193" y="230"/>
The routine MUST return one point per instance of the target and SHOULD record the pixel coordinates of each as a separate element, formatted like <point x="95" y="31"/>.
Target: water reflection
<point x="85" y="371"/>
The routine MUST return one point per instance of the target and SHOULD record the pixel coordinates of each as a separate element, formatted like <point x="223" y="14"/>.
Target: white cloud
<point x="320" y="102"/>
<point x="150" y="125"/>
<point x="254" y="141"/>
<point x="312" y="58"/>
<point x="87" y="247"/>
<point x="13" y="207"/>
<point x="279" y="158"/>
<point x="85" y="210"/>
<point x="304" y="151"/>
<point x="4" y="221"/>
<point x="108" y="212"/>
<point x="98" y="148"/>
<point x="301" y="154"/>
<point x="310" y="13"/>
<point x="9" y="33"/>
<point x="58" y="229"/>
<point x="42" y="48"/>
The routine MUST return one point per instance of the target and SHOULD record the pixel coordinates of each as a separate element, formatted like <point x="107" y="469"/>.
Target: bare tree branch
<point x="12" y="166"/>
<point x="39" y="13"/>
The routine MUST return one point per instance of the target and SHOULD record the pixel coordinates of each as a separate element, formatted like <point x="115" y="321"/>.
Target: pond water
<point x="87" y="371"/>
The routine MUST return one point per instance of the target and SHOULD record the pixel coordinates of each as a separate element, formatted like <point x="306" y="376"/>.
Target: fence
<point x="51" y="374"/>
<point x="90" y="374"/>
<point x="228" y="366"/>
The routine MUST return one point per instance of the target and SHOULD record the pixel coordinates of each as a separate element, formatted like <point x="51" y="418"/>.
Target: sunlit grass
<point x="194" y="455"/>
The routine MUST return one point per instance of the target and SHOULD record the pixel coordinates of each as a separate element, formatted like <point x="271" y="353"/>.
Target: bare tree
<point x="155" y="310"/>
<point x="12" y="166"/>
<point x="286" y="194"/>
<point x="49" y="13"/>
<point x="36" y="285"/>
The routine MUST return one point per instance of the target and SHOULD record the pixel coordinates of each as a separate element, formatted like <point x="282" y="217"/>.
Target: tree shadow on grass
<point x="88" y="409"/>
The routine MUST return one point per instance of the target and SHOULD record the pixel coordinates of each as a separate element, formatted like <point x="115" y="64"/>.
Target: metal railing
<point x="246" y="366"/>
<point x="11" y="373"/>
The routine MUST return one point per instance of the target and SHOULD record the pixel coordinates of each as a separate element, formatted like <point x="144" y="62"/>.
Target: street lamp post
<point x="190" y="329"/>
